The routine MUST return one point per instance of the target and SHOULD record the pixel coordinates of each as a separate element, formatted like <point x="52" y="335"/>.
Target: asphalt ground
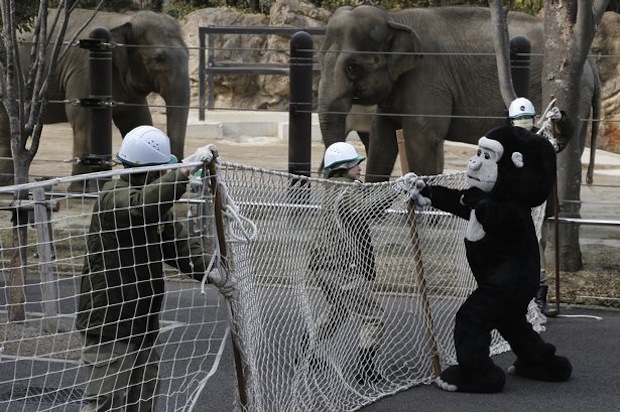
<point x="587" y="336"/>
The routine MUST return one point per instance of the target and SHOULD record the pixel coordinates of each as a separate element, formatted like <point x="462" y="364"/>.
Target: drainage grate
<point x="35" y="394"/>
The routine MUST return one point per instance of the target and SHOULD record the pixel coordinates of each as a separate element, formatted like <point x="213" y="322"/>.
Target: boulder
<point x="606" y="49"/>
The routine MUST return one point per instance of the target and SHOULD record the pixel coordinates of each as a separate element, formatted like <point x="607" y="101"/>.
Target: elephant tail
<point x="596" y="120"/>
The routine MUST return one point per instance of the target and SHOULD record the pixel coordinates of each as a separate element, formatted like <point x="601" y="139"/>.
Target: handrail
<point x="587" y="221"/>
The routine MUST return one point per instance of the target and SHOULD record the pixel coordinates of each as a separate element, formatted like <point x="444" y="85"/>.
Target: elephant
<point x="160" y="67"/>
<point x="430" y="72"/>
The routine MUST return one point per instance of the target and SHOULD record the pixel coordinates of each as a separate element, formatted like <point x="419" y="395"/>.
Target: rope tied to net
<point x="231" y="211"/>
<point x="228" y="208"/>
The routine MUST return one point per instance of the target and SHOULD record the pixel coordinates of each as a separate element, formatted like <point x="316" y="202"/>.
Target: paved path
<point x="590" y="341"/>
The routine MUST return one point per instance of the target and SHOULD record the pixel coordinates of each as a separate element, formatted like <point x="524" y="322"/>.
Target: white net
<point x="336" y="306"/>
<point x="331" y="316"/>
<point x="40" y="366"/>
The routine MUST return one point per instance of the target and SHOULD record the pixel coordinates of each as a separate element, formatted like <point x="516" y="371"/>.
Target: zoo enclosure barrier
<point x="209" y="66"/>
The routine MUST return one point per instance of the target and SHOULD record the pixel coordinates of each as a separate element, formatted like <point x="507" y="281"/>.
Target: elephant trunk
<point x="177" y="110"/>
<point x="333" y="119"/>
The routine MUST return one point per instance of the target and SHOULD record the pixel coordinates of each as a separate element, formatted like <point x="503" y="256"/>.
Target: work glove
<point x="412" y="185"/>
<point x="226" y="286"/>
<point x="205" y="154"/>
<point x="195" y="184"/>
<point x="553" y="114"/>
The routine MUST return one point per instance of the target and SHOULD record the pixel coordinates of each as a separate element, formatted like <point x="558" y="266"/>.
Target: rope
<point x="231" y="211"/>
<point x="205" y="278"/>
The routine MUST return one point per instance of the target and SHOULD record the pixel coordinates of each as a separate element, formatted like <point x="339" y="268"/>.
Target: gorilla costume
<point x="512" y="171"/>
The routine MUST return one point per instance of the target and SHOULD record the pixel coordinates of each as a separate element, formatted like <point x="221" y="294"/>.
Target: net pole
<point x="221" y="243"/>
<point x="556" y="238"/>
<point x="419" y="266"/>
<point x="556" y="230"/>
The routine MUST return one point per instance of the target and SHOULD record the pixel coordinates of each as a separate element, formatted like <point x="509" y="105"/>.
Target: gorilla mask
<point x="513" y="164"/>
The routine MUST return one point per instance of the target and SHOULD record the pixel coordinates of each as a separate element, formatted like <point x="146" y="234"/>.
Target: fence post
<point x="49" y="293"/>
<point x="210" y="77"/>
<point x="201" y="73"/>
<point x="99" y="100"/>
<point x="300" y="104"/>
<point x="520" y="48"/>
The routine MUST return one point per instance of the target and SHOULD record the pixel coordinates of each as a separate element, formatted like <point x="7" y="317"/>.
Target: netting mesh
<point x="40" y="367"/>
<point x="332" y="316"/>
<point x="344" y="295"/>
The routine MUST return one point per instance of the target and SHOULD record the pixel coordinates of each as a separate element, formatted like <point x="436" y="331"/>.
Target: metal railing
<point x="209" y="66"/>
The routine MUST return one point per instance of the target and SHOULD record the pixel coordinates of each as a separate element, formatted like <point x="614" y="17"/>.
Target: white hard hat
<point x="521" y="107"/>
<point x="341" y="155"/>
<point x="144" y="146"/>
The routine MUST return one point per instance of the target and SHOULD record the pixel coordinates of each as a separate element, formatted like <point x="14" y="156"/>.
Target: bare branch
<point x="502" y="52"/>
<point x="598" y="9"/>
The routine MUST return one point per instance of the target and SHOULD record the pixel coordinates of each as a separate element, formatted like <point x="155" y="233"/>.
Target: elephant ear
<point x="122" y="34"/>
<point x="404" y="42"/>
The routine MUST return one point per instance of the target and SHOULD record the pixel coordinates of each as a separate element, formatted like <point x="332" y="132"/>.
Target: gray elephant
<point x="430" y="71"/>
<point x="161" y="66"/>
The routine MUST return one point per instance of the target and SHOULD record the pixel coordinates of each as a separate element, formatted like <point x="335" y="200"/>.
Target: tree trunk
<point x="17" y="297"/>
<point x="19" y="257"/>
<point x="565" y="54"/>
<point x="569" y="30"/>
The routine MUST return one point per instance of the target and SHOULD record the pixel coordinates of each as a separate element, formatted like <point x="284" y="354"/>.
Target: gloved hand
<point x="195" y="184"/>
<point x="227" y="287"/>
<point x="413" y="186"/>
<point x="406" y="183"/>
<point x="554" y="114"/>
<point x="205" y="154"/>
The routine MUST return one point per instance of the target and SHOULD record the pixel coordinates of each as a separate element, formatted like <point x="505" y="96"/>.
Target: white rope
<point x="231" y="211"/>
<point x="205" y="278"/>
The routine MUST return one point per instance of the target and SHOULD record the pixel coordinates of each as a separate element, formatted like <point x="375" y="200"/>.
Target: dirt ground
<point x="597" y="284"/>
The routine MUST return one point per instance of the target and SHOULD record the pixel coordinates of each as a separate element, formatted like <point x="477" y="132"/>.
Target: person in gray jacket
<point x="342" y="260"/>
<point x="132" y="233"/>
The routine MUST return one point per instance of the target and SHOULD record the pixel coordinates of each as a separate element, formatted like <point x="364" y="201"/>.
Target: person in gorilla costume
<point x="512" y="171"/>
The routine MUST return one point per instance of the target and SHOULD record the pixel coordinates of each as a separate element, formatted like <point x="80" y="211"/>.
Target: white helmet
<point x="341" y="155"/>
<point x="521" y="107"/>
<point x="144" y="146"/>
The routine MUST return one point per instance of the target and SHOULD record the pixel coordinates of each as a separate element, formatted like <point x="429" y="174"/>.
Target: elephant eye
<point x="159" y="58"/>
<point x="354" y="70"/>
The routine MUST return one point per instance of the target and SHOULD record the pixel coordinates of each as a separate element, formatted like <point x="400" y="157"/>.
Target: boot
<point x="368" y="372"/>
<point x="541" y="302"/>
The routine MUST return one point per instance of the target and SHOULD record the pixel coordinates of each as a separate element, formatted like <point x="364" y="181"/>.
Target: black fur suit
<point x="502" y="251"/>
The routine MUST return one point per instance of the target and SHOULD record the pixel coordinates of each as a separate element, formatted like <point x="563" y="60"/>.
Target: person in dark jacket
<point x="132" y="233"/>
<point x="558" y="129"/>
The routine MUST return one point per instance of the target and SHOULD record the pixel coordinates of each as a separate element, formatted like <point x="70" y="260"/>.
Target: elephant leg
<point x="424" y="147"/>
<point x="127" y="119"/>
<point x="365" y="138"/>
<point x="382" y="151"/>
<point x="6" y="158"/>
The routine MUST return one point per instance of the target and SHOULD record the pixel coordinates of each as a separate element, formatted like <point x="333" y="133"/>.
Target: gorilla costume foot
<point x="459" y="379"/>
<point x="556" y="369"/>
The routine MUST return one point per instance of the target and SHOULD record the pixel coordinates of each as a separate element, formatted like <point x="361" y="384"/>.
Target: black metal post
<point x="100" y="59"/>
<point x="520" y="48"/>
<point x="300" y="104"/>
<point x="201" y="73"/>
